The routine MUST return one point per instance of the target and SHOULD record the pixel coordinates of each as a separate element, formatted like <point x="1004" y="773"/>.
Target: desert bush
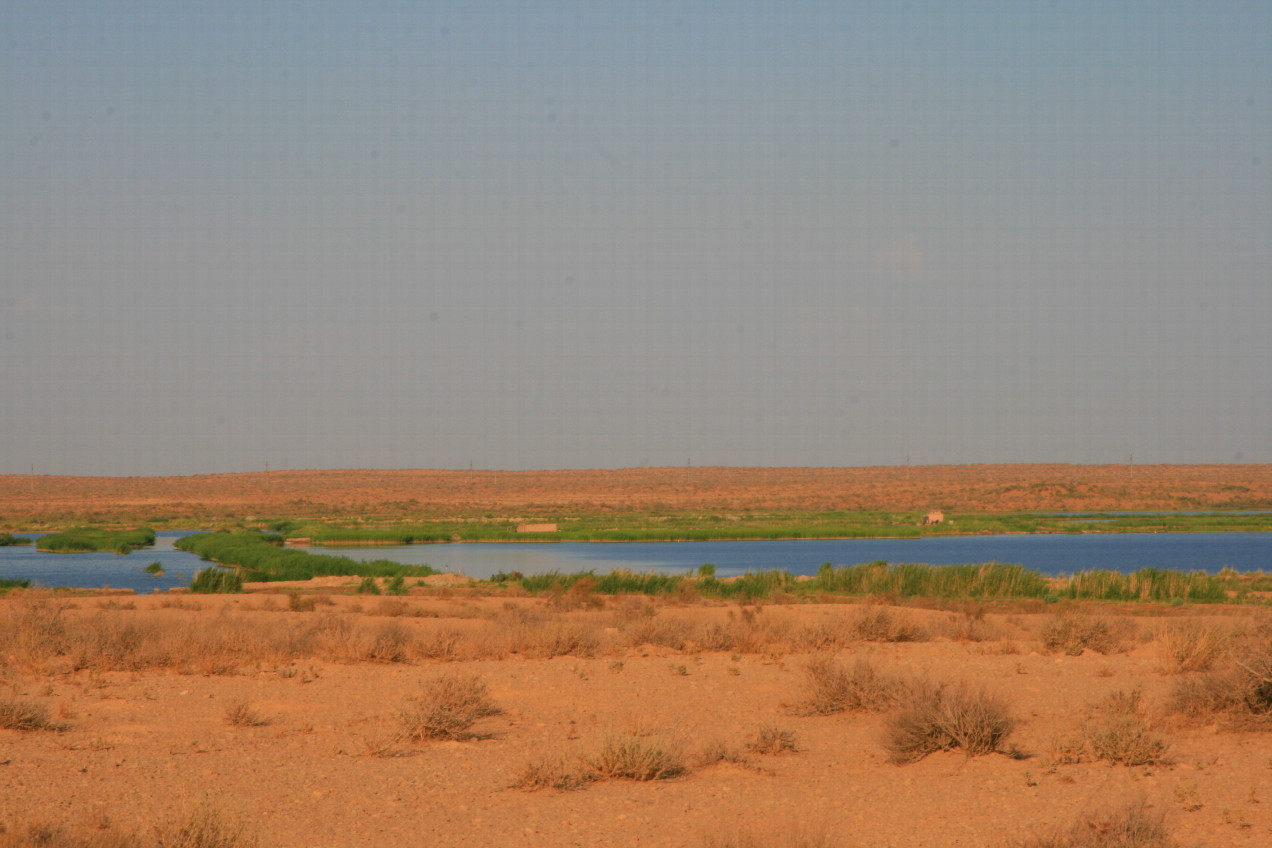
<point x="633" y="756"/>
<point x="1243" y="691"/>
<point x="1073" y="633"/>
<point x="877" y="623"/>
<point x="1133" y="826"/>
<point x="204" y="828"/>
<point x="551" y="773"/>
<point x="389" y="644"/>
<point x="24" y="715"/>
<point x="1120" y="731"/>
<point x="768" y="739"/>
<point x="447" y="708"/>
<point x="832" y="688"/>
<point x="297" y="602"/>
<point x="1190" y="646"/>
<point x="241" y="714"/>
<point x="942" y="717"/>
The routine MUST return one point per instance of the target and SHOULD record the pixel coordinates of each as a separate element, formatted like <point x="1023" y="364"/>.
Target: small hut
<point x="933" y="517"/>
<point x="536" y="528"/>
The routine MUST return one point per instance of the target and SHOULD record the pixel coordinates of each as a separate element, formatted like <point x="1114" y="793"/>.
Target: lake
<point x="1051" y="554"/>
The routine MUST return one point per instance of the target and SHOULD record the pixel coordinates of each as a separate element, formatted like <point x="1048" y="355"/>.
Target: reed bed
<point x="88" y="539"/>
<point x="261" y="558"/>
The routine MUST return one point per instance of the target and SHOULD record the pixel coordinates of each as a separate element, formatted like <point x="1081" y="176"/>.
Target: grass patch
<point x="447" y="709"/>
<point x="262" y="558"/>
<point x="1191" y="646"/>
<point x="155" y="568"/>
<point x="8" y="539"/>
<point x="8" y="583"/>
<point x="942" y="717"/>
<point x="632" y="756"/>
<point x="217" y="581"/>
<point x="1134" y="826"/>
<point x="771" y="740"/>
<point x="86" y="539"/>
<point x="1242" y="692"/>
<point x="911" y="580"/>
<point x="204" y="828"/>
<point x="552" y="773"/>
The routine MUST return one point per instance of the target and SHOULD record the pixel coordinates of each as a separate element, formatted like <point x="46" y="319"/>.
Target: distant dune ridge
<point x="464" y="493"/>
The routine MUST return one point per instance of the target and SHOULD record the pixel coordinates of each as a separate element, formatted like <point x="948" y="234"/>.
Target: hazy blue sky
<point x="552" y="234"/>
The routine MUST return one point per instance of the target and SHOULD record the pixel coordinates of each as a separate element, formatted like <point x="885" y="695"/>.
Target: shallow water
<point x="1051" y="554"/>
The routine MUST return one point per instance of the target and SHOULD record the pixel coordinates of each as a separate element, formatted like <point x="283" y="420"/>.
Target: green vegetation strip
<point x="86" y="539"/>
<point x="8" y="539"/>
<point x="639" y="527"/>
<point x="7" y="583"/>
<point x="987" y="581"/>
<point x="260" y="557"/>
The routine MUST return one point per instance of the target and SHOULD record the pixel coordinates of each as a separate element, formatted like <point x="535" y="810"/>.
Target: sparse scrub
<point x="1243" y="692"/>
<point x="551" y="773"/>
<point x="1131" y="827"/>
<point x="877" y="623"/>
<point x="1073" y="633"/>
<point x="942" y="717"/>
<point x="241" y="714"/>
<point x="632" y="756"/>
<point x="204" y="828"/>
<point x="24" y="715"/>
<point x="447" y="708"/>
<point x="768" y="739"/>
<point x="1190" y="647"/>
<point x="831" y="688"/>
<point x="1120" y="732"/>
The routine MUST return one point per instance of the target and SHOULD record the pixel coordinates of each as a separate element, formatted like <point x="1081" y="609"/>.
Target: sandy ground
<point x="424" y="493"/>
<point x="143" y="734"/>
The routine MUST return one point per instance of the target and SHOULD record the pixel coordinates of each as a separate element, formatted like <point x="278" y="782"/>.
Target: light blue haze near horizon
<point x="528" y="235"/>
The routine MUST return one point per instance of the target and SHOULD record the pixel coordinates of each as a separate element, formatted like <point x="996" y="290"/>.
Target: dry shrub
<point x="24" y="715"/>
<point x="33" y="629"/>
<point x="660" y="631"/>
<point x="205" y="828"/>
<point x="447" y="708"/>
<point x="877" y="623"/>
<point x="634" y="756"/>
<point x="1131" y="827"/>
<point x="718" y="751"/>
<point x="241" y="714"/>
<point x="768" y="739"/>
<point x="831" y="688"/>
<point x="1191" y="646"/>
<point x="443" y="644"/>
<point x="297" y="602"/>
<point x="556" y="639"/>
<point x="1073" y="633"/>
<point x="1120" y="731"/>
<point x="1243" y="692"/>
<point x="552" y="773"/>
<point x="970" y="626"/>
<point x="942" y="717"/>
<point x="389" y="644"/>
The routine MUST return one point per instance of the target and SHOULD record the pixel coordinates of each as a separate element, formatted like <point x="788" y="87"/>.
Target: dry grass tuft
<point x="633" y="756"/>
<point x="831" y="688"/>
<point x="1121" y="732"/>
<point x="205" y="828"/>
<point x="447" y="708"/>
<point x="1131" y="827"/>
<point x="241" y="714"/>
<point x="768" y="739"/>
<point x="552" y="773"/>
<point x="1242" y="692"/>
<point x="1191" y="646"/>
<point x="1074" y="633"/>
<point x="24" y="715"/>
<point x="942" y="717"/>
<point x="877" y="623"/>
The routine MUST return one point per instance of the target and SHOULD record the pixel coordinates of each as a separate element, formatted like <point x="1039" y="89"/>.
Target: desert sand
<point x="442" y="494"/>
<point x="288" y="715"/>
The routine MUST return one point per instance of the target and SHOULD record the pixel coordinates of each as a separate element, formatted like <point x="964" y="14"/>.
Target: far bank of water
<point x="1049" y="554"/>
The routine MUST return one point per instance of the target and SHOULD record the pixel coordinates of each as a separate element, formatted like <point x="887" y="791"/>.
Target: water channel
<point x="1048" y="554"/>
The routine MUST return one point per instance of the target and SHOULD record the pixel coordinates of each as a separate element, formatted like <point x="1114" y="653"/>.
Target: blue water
<point x="98" y="569"/>
<point x="1054" y="554"/>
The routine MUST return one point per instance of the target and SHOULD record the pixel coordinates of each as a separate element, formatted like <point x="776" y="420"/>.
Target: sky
<point x="530" y="235"/>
